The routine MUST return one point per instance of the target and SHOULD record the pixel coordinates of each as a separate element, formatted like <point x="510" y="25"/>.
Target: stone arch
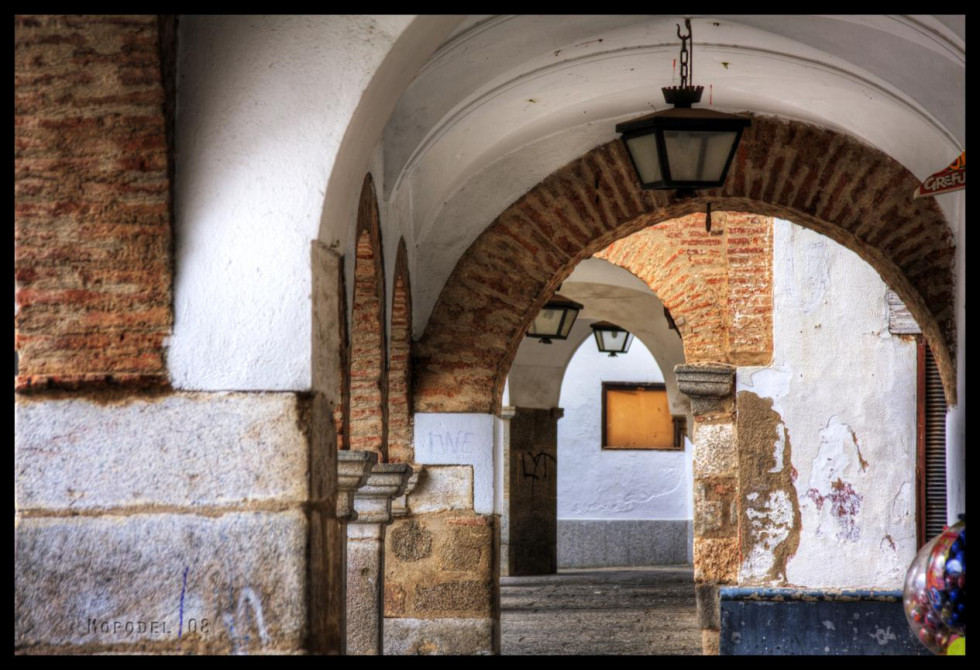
<point x="368" y="414"/>
<point x="815" y="177"/>
<point x="400" y="448"/>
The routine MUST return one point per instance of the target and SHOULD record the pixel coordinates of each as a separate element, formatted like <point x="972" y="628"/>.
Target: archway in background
<point x="819" y="178"/>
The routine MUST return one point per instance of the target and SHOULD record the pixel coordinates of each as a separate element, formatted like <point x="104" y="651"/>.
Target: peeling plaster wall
<point x="835" y="461"/>
<point x="613" y="484"/>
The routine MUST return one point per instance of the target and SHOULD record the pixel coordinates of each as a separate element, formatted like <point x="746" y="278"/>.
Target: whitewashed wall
<point x="616" y="507"/>
<point x="845" y="389"/>
<point x="613" y="484"/>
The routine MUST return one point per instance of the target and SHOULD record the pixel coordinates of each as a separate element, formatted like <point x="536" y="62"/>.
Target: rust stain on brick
<point x="769" y="513"/>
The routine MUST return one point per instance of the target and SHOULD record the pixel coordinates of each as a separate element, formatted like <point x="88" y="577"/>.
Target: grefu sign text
<point x="953" y="178"/>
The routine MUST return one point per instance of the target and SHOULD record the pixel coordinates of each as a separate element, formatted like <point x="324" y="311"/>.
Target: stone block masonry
<point x="440" y="595"/>
<point x="210" y="518"/>
<point x="711" y="389"/>
<point x="92" y="203"/>
<point x="439" y="566"/>
<point x="161" y="583"/>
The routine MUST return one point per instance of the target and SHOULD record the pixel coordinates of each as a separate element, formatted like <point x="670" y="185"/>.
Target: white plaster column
<point x="507" y="413"/>
<point x="365" y="556"/>
<point x="956" y="417"/>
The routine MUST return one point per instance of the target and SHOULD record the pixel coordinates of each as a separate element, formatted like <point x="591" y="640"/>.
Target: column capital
<point x="507" y="412"/>
<point x="372" y="502"/>
<point x="710" y="386"/>
<point x="353" y="469"/>
<point x="399" y="507"/>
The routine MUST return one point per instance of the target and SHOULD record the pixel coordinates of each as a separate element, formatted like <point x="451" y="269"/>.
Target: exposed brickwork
<point x="814" y="177"/>
<point x="717" y="285"/>
<point x="92" y="209"/>
<point x="341" y="412"/>
<point x="368" y="414"/>
<point x="400" y="446"/>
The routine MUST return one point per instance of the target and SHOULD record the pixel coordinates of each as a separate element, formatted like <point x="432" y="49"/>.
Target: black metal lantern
<point x="555" y="320"/>
<point x="611" y="339"/>
<point x="683" y="148"/>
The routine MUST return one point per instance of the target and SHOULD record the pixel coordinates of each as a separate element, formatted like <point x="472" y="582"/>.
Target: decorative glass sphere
<point x="935" y="591"/>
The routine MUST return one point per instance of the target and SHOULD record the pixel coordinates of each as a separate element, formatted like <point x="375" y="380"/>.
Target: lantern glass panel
<point x="643" y="149"/>
<point x="698" y="155"/>
<point x="613" y="341"/>
<point x="548" y="322"/>
<point x="566" y="326"/>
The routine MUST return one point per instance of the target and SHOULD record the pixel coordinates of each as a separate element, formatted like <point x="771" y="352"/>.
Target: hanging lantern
<point x="555" y="320"/>
<point x="683" y="148"/>
<point x="611" y="339"/>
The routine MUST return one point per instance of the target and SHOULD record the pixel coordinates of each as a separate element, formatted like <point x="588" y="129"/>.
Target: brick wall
<point x="92" y="208"/>
<point x="717" y="285"/>
<point x="400" y="447"/>
<point x="341" y="411"/>
<point x="368" y="371"/>
<point x="814" y="177"/>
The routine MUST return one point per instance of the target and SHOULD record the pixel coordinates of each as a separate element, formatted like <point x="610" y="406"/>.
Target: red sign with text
<point x="953" y="178"/>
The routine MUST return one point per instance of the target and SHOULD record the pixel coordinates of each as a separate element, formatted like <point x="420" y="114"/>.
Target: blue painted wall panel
<point x="782" y="621"/>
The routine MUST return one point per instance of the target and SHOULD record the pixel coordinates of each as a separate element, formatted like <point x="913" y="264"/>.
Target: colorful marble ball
<point x="935" y="591"/>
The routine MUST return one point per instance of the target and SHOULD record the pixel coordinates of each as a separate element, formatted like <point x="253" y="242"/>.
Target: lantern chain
<point x="687" y="58"/>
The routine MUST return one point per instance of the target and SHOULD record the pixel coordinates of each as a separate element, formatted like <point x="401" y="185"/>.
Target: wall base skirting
<point x="586" y="543"/>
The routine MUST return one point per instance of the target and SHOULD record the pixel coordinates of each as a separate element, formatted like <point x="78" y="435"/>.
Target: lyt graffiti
<point x="535" y="466"/>
<point x="243" y="619"/>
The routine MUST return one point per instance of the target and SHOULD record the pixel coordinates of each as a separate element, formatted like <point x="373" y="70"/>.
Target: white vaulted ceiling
<point x="506" y="100"/>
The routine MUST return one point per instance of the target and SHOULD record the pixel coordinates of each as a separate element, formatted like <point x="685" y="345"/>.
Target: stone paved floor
<point x="600" y="611"/>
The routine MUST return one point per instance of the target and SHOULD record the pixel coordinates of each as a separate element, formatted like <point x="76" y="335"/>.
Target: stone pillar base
<point x="710" y="640"/>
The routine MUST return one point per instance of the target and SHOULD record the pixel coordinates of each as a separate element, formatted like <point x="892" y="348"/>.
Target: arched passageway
<point x="818" y="178"/>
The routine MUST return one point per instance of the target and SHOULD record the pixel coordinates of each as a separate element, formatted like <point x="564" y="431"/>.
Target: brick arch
<point x="341" y="411"/>
<point x="717" y="286"/>
<point x="815" y="177"/>
<point x="368" y="369"/>
<point x="400" y="448"/>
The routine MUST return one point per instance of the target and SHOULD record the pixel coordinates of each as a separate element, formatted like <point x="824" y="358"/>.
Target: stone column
<point x="365" y="557"/>
<point x="530" y="546"/>
<point x="353" y="468"/>
<point x="711" y="388"/>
